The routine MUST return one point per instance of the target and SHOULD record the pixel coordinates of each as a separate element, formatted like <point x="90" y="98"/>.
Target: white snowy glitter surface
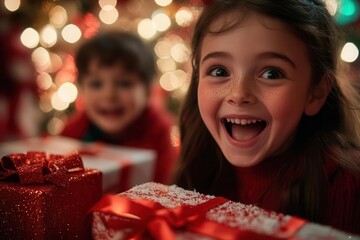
<point x="231" y="214"/>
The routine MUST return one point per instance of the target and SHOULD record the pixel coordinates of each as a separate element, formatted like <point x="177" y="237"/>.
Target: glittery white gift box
<point x="243" y="218"/>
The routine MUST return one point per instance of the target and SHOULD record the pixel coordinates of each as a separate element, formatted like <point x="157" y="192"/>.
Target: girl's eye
<point x="218" y="72"/>
<point x="124" y="84"/>
<point x="272" y="74"/>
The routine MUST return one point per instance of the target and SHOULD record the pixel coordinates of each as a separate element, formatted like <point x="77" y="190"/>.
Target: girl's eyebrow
<point x="277" y="55"/>
<point x="261" y="55"/>
<point x="216" y="55"/>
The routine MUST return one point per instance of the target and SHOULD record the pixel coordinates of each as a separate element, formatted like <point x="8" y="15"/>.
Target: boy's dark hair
<point x="117" y="47"/>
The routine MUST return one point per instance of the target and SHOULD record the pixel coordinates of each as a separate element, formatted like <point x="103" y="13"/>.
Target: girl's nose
<point x="242" y="91"/>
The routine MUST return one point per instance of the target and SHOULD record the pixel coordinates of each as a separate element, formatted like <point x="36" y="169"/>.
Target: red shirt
<point x="150" y="131"/>
<point x="343" y="209"/>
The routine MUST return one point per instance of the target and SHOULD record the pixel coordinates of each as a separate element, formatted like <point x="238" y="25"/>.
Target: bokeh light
<point x="349" y="52"/>
<point x="44" y="81"/>
<point x="55" y="126"/>
<point x="57" y="103"/>
<point x="332" y="6"/>
<point x="41" y="59"/>
<point x="12" y="5"/>
<point x="105" y="3"/>
<point x="180" y="52"/>
<point x="161" y="21"/>
<point x="163" y="3"/>
<point x="48" y="36"/>
<point x="68" y="92"/>
<point x="71" y="33"/>
<point x="30" y="38"/>
<point x="184" y="17"/>
<point x="172" y="80"/>
<point x="166" y="64"/>
<point x="146" y="28"/>
<point x="108" y="14"/>
<point x="163" y="48"/>
<point x="58" y="16"/>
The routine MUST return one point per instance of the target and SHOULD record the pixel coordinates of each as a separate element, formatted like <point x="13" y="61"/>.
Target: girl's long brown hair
<point x="334" y="131"/>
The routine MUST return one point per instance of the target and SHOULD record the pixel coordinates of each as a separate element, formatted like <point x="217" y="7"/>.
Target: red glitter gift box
<point x="156" y="211"/>
<point x="46" y="197"/>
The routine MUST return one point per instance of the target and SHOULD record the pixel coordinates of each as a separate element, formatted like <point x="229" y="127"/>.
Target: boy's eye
<point x="272" y="74"/>
<point x="124" y="83"/>
<point x="218" y="72"/>
<point x="96" y="84"/>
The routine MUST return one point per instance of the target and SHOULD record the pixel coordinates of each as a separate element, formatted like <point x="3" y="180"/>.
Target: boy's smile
<point x="254" y="86"/>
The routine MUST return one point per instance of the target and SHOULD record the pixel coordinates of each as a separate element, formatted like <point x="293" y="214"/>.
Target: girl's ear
<point x="317" y="96"/>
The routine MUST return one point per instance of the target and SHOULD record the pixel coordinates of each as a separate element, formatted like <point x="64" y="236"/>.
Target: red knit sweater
<point x="150" y="131"/>
<point x="343" y="211"/>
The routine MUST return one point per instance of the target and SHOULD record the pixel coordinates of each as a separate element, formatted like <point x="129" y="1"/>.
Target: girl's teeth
<point x="242" y="121"/>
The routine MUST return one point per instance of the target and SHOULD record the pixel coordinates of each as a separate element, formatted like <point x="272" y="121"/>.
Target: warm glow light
<point x="68" y="92"/>
<point x="104" y="3"/>
<point x="163" y="49"/>
<point x="45" y="105"/>
<point x="108" y="14"/>
<point x="166" y="65"/>
<point x="71" y="33"/>
<point x="48" y="36"/>
<point x="163" y="3"/>
<point x="161" y="21"/>
<point x="172" y="80"/>
<point x="30" y="38"/>
<point x="44" y="81"/>
<point x="12" y="5"/>
<point x="55" y="126"/>
<point x="58" y="16"/>
<point x="57" y="103"/>
<point x="55" y="61"/>
<point x="41" y="59"/>
<point x="331" y="6"/>
<point x="64" y="76"/>
<point x="349" y="52"/>
<point x="91" y="25"/>
<point x="184" y="17"/>
<point x="180" y="53"/>
<point x="146" y="28"/>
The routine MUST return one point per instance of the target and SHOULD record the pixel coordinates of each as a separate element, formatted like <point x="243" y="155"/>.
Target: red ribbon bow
<point x="142" y="219"/>
<point x="34" y="167"/>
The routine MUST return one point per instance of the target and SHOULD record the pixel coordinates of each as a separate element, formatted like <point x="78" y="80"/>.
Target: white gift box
<point x="122" y="167"/>
<point x="119" y="217"/>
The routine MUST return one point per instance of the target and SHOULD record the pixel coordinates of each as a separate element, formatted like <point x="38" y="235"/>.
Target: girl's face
<point x="254" y="86"/>
<point x="113" y="97"/>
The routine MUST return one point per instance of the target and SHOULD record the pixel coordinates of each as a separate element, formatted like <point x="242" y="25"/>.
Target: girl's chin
<point x="109" y="129"/>
<point x="245" y="163"/>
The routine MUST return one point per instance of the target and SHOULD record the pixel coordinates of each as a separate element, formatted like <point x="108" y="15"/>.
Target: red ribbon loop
<point x="146" y="217"/>
<point x="141" y="219"/>
<point x="34" y="167"/>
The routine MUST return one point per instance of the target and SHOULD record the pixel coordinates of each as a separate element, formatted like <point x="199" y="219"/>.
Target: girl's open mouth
<point x="243" y="129"/>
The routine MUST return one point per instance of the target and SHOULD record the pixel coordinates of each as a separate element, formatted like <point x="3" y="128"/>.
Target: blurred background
<point x="38" y="39"/>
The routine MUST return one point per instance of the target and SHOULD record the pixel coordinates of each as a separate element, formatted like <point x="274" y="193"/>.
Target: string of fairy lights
<point x="163" y="23"/>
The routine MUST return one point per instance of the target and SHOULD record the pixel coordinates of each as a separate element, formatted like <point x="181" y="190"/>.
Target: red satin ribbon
<point x="147" y="218"/>
<point x="34" y="167"/>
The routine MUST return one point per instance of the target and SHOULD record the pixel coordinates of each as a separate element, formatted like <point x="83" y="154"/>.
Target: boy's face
<point x="254" y="87"/>
<point x="113" y="97"/>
